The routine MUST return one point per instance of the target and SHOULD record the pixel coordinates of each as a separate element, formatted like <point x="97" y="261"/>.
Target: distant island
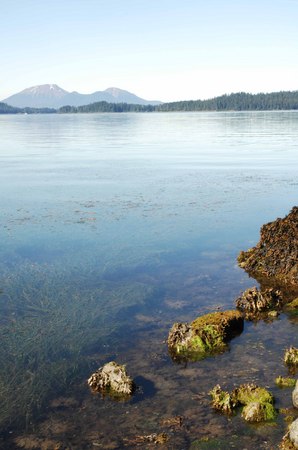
<point x="275" y="101"/>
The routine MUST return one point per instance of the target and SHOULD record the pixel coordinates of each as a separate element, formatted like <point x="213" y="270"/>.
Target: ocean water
<point x="113" y="227"/>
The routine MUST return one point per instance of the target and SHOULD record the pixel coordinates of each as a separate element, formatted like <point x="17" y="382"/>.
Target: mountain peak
<point x="52" y="90"/>
<point x="53" y="96"/>
<point x="116" y="92"/>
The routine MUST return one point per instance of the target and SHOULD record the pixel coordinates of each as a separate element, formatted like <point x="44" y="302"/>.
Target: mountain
<point x="52" y="96"/>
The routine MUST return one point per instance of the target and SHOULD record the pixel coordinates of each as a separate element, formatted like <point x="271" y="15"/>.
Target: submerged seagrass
<point x="276" y="255"/>
<point x="204" y="336"/>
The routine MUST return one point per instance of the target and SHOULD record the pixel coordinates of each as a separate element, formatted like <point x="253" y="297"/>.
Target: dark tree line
<point x="238" y="102"/>
<point x="106" y="107"/>
<point x="7" y="109"/>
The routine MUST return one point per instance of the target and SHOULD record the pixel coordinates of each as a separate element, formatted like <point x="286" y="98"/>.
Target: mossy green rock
<point x="248" y="393"/>
<point x="206" y="335"/>
<point x="258" y="412"/>
<point x="285" y="381"/>
<point x="257" y="402"/>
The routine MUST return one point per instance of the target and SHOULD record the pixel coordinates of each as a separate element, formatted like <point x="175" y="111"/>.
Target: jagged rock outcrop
<point x="276" y="255"/>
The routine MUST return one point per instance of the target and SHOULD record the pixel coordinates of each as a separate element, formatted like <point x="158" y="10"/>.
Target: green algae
<point x="285" y="381"/>
<point x="208" y="443"/>
<point x="293" y="304"/>
<point x="247" y="393"/>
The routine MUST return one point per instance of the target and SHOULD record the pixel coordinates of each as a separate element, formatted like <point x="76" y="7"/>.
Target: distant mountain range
<point x="52" y="96"/>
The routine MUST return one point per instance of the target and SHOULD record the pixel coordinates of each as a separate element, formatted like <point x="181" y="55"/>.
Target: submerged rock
<point x="257" y="402"/>
<point x="276" y="254"/>
<point x="113" y="379"/>
<point x="254" y="301"/>
<point x="206" y="335"/>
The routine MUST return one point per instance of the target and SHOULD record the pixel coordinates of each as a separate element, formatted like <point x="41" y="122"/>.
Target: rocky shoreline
<point x="275" y="259"/>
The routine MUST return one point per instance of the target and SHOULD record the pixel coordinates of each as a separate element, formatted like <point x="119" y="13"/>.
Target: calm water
<point x="114" y="226"/>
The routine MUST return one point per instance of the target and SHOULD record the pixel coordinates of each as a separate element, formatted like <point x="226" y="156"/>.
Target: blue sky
<point x="159" y="49"/>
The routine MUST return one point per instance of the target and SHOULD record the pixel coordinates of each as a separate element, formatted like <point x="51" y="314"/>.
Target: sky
<point x="158" y="49"/>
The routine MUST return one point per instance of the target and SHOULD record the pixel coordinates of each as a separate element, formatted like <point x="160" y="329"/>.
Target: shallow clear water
<point x="114" y="226"/>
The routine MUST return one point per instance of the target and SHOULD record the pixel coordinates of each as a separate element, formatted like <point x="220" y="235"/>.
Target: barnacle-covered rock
<point x="253" y="301"/>
<point x="276" y="255"/>
<point x="291" y="357"/>
<point x="112" y="379"/>
<point x="223" y="401"/>
<point x="206" y="335"/>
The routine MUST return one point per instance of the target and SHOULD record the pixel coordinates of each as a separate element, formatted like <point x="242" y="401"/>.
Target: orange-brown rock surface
<point x="276" y="255"/>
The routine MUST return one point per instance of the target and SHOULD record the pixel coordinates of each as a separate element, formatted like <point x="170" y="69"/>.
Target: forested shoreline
<point x="275" y="101"/>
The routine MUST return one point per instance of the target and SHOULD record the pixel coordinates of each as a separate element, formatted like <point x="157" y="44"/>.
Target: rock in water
<point x="257" y="402"/>
<point x="293" y="433"/>
<point x="295" y="395"/>
<point x="254" y="301"/>
<point x="113" y="379"/>
<point x="291" y="357"/>
<point x="276" y="254"/>
<point x="254" y="412"/>
<point x="206" y="335"/>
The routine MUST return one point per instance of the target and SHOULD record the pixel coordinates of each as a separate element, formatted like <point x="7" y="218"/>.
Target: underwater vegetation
<point x="48" y="325"/>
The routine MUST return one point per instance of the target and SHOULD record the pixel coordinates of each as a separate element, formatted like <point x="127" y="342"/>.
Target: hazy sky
<point x="158" y="49"/>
